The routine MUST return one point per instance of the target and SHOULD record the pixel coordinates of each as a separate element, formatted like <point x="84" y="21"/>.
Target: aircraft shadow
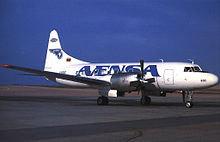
<point x="91" y="101"/>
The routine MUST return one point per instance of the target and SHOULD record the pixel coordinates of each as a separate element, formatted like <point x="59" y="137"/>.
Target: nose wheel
<point x="189" y="104"/>
<point x="102" y="100"/>
<point x="187" y="98"/>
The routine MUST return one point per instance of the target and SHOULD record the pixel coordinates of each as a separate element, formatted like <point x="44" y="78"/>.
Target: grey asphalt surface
<point x="30" y="113"/>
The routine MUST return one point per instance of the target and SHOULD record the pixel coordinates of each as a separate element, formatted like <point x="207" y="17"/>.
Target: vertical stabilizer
<point x="56" y="58"/>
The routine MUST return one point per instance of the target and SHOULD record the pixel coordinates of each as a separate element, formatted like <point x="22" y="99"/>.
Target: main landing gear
<point x="187" y="98"/>
<point x="145" y="100"/>
<point x="102" y="100"/>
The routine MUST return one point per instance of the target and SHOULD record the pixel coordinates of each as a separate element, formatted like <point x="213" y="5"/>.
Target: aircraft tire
<point x="102" y="100"/>
<point x="145" y="100"/>
<point x="189" y="104"/>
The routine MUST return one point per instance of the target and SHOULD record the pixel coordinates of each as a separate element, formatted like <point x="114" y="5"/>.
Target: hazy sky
<point x="109" y="31"/>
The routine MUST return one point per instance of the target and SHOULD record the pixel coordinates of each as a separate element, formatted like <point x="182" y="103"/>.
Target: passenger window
<point x="96" y="72"/>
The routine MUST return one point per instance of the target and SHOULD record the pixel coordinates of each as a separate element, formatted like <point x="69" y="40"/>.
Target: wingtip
<point x="5" y="66"/>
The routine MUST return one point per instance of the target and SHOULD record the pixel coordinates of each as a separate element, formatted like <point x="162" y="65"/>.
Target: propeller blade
<point x="142" y="68"/>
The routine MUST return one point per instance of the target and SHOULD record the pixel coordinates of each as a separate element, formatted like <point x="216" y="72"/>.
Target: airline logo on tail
<point x="53" y="40"/>
<point x="57" y="52"/>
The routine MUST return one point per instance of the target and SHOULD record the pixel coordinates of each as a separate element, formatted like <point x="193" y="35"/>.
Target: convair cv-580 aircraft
<point x="115" y="79"/>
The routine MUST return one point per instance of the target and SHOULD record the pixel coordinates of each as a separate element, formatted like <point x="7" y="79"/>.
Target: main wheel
<point x="189" y="104"/>
<point x="102" y="100"/>
<point x="145" y="100"/>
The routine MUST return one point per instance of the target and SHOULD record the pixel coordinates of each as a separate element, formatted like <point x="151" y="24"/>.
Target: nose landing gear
<point x="187" y="98"/>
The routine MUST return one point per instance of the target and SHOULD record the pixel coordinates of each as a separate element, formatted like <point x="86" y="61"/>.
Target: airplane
<point x="116" y="79"/>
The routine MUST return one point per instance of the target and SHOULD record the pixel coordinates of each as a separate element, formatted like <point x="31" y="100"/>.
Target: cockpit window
<point x="196" y="69"/>
<point x="188" y="69"/>
<point x="192" y="69"/>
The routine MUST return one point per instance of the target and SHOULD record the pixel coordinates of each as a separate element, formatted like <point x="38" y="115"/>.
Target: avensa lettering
<point x="107" y="69"/>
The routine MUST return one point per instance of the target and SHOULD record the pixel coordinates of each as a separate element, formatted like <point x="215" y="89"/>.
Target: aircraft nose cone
<point x="212" y="79"/>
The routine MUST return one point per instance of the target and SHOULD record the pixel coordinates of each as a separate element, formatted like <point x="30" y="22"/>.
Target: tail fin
<point x="56" y="58"/>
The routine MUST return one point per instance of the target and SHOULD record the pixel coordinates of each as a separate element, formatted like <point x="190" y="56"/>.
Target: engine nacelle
<point x="121" y="81"/>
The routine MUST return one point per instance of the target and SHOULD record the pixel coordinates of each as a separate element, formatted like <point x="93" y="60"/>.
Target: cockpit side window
<point x="188" y="69"/>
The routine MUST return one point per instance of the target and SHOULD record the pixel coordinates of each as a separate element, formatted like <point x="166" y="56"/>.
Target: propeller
<point x="142" y="68"/>
<point x="141" y="83"/>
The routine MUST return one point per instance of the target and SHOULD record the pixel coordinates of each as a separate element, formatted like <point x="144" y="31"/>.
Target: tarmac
<point x="54" y="114"/>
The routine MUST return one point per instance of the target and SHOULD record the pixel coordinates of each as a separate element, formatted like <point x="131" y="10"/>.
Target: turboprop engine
<point x="121" y="81"/>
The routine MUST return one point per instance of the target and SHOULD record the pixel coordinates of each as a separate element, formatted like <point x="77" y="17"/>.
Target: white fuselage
<point x="168" y="76"/>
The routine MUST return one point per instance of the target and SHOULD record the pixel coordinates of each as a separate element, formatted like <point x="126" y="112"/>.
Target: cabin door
<point x="168" y="77"/>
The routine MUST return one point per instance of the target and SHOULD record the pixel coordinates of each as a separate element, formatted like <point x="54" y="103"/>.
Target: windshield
<point x="196" y="69"/>
<point x="192" y="69"/>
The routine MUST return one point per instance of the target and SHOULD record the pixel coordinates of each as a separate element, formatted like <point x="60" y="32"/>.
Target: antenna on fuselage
<point x="191" y="60"/>
<point x="162" y="60"/>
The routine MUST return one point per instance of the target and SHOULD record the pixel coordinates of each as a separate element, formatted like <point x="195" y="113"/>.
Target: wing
<point x="84" y="80"/>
